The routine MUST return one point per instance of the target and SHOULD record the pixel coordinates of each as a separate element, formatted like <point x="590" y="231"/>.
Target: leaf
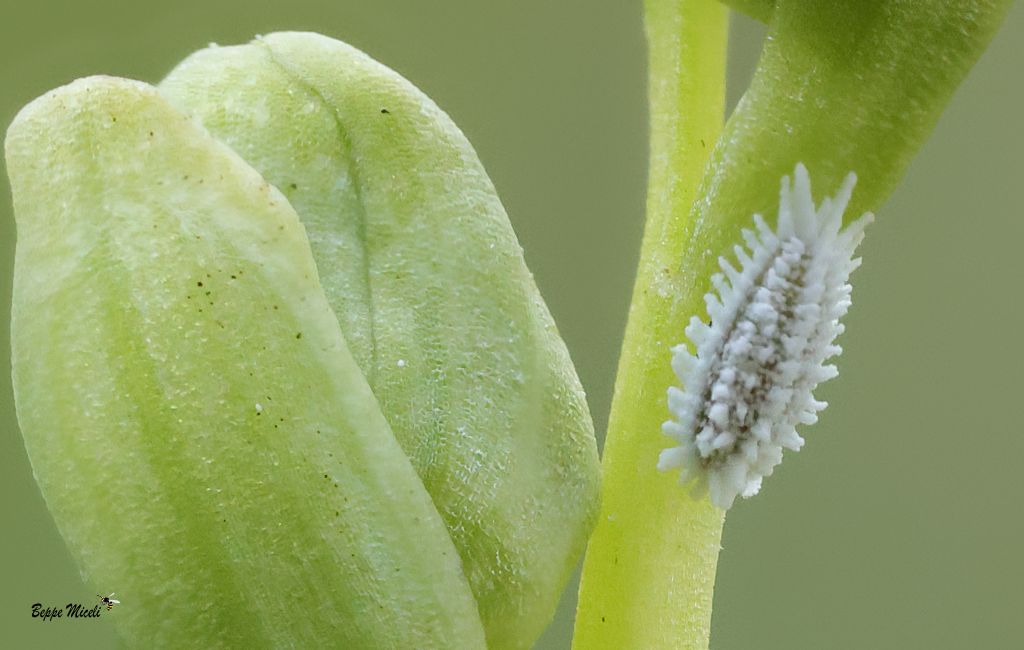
<point x="203" y="438"/>
<point x="420" y="264"/>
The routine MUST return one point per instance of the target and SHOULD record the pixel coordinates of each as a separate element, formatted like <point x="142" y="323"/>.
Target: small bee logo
<point x="108" y="601"/>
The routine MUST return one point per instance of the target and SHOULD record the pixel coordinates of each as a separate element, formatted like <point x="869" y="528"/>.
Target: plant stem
<point x="649" y="573"/>
<point x="840" y="87"/>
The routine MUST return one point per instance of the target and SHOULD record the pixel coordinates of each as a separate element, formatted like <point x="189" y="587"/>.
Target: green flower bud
<point x="419" y="261"/>
<point x="370" y="438"/>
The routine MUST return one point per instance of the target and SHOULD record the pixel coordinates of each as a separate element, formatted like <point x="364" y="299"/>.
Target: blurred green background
<point x="898" y="526"/>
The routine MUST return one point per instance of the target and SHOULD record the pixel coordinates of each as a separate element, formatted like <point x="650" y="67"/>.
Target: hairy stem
<point x="649" y="573"/>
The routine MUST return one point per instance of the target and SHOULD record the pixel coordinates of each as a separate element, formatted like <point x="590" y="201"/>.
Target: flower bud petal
<point x="421" y="265"/>
<point x="206" y="443"/>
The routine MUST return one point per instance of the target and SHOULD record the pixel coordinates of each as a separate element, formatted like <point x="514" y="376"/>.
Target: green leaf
<point x="207" y="445"/>
<point x="420" y="263"/>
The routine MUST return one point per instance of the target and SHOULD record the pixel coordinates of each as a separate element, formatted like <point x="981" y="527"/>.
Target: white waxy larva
<point x="773" y="325"/>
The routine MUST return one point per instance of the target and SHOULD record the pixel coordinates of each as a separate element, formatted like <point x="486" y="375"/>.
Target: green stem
<point x="649" y="573"/>
<point x="840" y="86"/>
